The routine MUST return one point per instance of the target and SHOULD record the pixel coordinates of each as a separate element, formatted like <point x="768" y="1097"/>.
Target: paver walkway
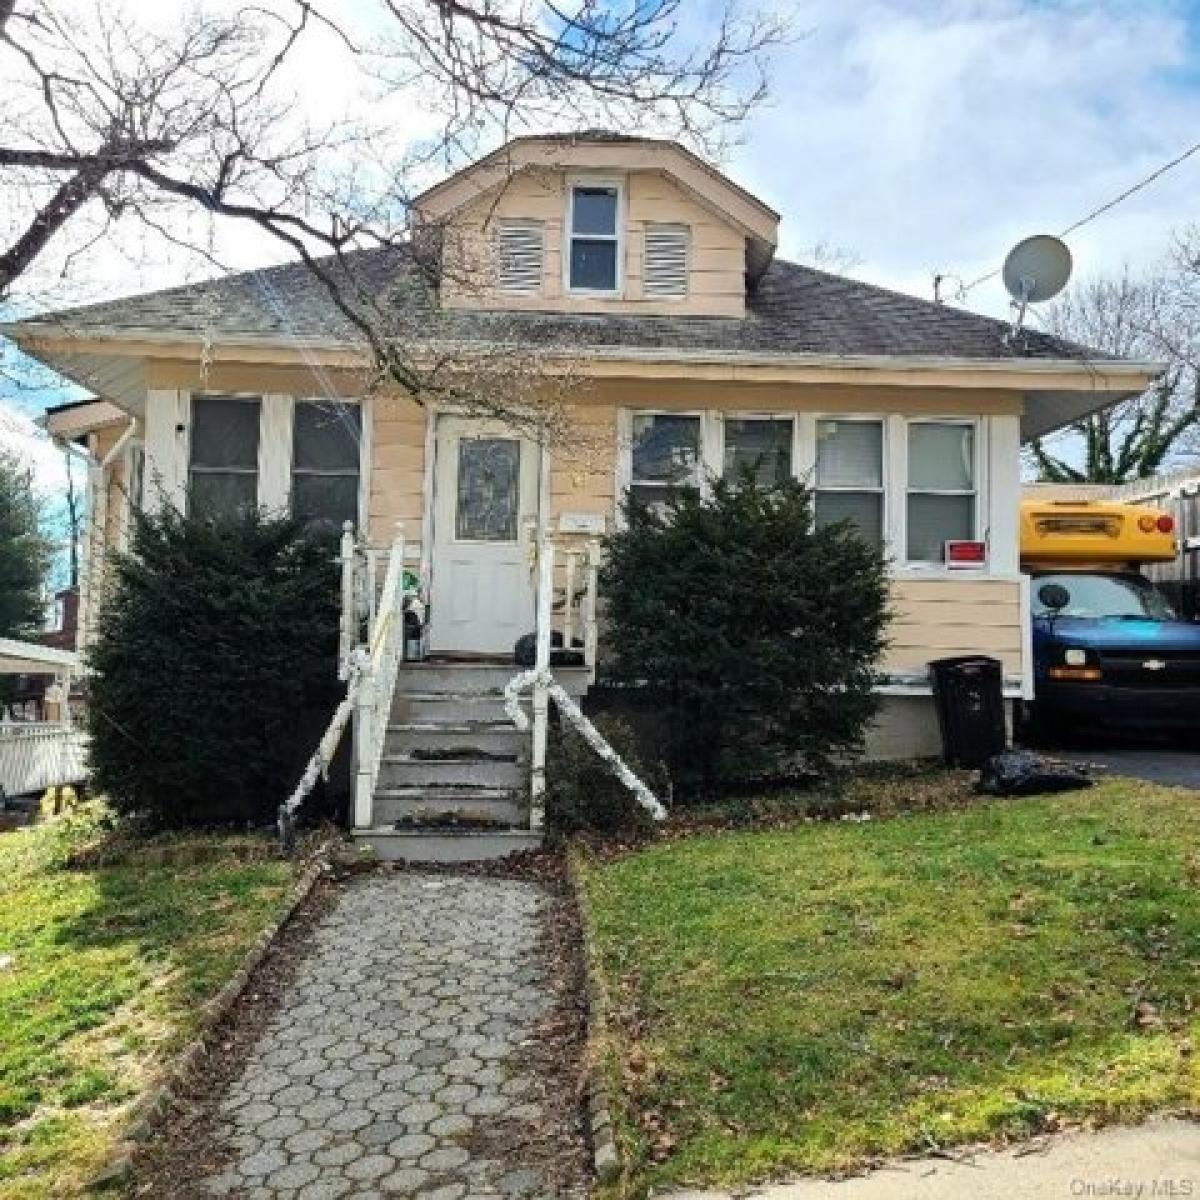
<point x="394" y="1066"/>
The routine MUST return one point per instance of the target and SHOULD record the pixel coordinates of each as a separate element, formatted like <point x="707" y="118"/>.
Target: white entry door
<point x="484" y="515"/>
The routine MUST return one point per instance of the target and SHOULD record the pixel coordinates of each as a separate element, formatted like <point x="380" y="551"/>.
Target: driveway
<point x="1156" y="763"/>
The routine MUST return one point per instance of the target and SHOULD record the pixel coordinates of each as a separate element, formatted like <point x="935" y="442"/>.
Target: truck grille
<point x="1127" y="668"/>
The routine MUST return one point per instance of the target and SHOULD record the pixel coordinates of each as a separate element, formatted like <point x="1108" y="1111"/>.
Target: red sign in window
<point x="966" y="555"/>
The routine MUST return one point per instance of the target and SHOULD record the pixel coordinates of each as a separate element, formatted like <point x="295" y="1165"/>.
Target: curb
<point x="606" y="1156"/>
<point x="152" y="1106"/>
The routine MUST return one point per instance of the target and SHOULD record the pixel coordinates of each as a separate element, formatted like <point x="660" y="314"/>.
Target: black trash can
<point x="969" y="693"/>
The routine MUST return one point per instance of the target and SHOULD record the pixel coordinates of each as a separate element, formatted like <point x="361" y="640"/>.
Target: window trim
<point x="884" y="490"/>
<point x="978" y="491"/>
<point x="258" y="398"/>
<point x="618" y="237"/>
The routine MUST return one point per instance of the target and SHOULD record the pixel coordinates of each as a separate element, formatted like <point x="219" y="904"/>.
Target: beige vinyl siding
<point x="933" y="617"/>
<point x="716" y="282"/>
<point x="937" y="618"/>
<point x="397" y="468"/>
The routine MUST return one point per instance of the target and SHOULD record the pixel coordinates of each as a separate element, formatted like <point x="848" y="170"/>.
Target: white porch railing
<point x="576" y="615"/>
<point x="38" y="756"/>
<point x="369" y="668"/>
<point x="579" y="606"/>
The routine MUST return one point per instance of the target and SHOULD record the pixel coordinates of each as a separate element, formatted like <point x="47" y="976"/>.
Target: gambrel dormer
<point x="600" y="223"/>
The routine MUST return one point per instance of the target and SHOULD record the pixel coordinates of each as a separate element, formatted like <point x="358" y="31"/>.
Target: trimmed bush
<point x="215" y="667"/>
<point x="757" y="632"/>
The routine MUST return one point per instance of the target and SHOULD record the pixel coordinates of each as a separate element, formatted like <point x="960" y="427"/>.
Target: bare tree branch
<point x="116" y="121"/>
<point x="1135" y="317"/>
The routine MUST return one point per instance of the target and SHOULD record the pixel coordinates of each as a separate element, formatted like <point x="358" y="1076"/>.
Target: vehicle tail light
<point x="1146" y="524"/>
<point x="1165" y="523"/>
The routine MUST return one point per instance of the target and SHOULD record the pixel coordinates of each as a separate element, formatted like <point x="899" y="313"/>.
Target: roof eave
<point x="1145" y="369"/>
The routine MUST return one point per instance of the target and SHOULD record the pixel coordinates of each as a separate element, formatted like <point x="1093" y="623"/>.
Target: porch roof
<point x="32" y="658"/>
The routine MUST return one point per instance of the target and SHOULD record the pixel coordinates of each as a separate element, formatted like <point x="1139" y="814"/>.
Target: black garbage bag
<point x="1022" y="773"/>
<point x="525" y="651"/>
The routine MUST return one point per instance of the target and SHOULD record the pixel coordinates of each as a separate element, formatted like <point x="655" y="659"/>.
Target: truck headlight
<point x="1075" y="658"/>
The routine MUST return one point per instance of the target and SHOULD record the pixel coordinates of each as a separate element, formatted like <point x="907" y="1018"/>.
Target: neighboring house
<point x="655" y="276"/>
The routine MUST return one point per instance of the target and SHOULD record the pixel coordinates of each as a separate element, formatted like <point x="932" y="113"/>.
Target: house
<point x="639" y="267"/>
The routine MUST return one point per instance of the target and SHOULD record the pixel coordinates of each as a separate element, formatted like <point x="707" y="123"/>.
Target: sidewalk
<point x="1156" y="1161"/>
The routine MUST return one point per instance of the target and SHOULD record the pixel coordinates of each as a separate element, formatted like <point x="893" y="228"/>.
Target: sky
<point x="919" y="136"/>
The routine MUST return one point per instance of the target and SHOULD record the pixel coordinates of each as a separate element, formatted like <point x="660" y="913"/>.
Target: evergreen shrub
<point x="758" y="632"/>
<point x="215" y="667"/>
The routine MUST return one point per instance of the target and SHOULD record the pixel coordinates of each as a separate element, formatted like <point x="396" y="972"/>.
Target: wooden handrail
<point x="370" y="671"/>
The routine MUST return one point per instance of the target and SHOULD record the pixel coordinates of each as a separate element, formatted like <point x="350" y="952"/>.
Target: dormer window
<point x="594" y="238"/>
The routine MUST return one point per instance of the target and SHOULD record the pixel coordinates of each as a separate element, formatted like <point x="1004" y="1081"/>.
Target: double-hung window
<point x="223" y="472"/>
<point x="666" y="455"/>
<point x="326" y="441"/>
<point x="849" y="476"/>
<point x="761" y="446"/>
<point x="594" y="238"/>
<point x="941" y="487"/>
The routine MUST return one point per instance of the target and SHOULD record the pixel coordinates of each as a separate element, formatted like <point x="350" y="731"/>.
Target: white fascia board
<point x="1115" y="369"/>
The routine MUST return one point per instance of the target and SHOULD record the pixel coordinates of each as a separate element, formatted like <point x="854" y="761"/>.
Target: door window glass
<point x="489" y="490"/>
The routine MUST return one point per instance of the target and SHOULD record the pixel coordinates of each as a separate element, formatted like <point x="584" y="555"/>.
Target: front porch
<point x="449" y="754"/>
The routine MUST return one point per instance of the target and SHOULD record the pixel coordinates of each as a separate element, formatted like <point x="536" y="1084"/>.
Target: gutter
<point x="1112" y="368"/>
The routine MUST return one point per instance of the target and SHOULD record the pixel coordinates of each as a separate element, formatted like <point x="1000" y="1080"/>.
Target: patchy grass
<point x="812" y="998"/>
<point x="112" y="948"/>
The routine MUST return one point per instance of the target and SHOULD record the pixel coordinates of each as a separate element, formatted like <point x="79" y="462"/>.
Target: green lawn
<point x="810" y="998"/>
<point x="103" y="970"/>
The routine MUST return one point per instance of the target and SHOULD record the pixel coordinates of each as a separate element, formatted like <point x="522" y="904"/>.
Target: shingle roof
<point x="793" y="309"/>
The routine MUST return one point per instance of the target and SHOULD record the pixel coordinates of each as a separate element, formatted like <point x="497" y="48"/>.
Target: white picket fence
<point x="37" y="756"/>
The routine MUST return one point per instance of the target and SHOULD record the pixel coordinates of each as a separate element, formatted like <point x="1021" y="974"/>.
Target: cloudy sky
<point x="922" y="136"/>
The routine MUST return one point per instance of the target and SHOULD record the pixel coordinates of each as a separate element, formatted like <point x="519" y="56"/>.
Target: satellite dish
<point x="1037" y="269"/>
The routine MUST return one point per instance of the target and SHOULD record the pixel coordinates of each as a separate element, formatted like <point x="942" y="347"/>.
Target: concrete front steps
<point x="454" y="777"/>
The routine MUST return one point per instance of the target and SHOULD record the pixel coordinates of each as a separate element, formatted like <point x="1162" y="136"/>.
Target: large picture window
<point x="593" y="263"/>
<point x="326" y="440"/>
<point x="849" y="476"/>
<point x="941" y="487"/>
<point x="760" y="445"/>
<point x="666" y="455"/>
<point x="223" y="472"/>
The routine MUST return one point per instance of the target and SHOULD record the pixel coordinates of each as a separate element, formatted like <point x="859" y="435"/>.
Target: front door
<point x="485" y="504"/>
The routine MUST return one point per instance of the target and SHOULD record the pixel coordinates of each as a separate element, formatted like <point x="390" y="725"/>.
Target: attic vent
<point x="520" y="248"/>
<point x="666" y="269"/>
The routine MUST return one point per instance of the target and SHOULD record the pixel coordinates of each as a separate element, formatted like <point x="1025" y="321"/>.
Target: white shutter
<point x="520" y="250"/>
<point x="666" y="264"/>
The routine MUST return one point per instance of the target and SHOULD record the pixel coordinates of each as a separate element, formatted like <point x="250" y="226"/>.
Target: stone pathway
<point x="395" y="1065"/>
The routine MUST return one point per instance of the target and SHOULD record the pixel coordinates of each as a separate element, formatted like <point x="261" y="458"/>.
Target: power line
<point x="1153" y="177"/>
